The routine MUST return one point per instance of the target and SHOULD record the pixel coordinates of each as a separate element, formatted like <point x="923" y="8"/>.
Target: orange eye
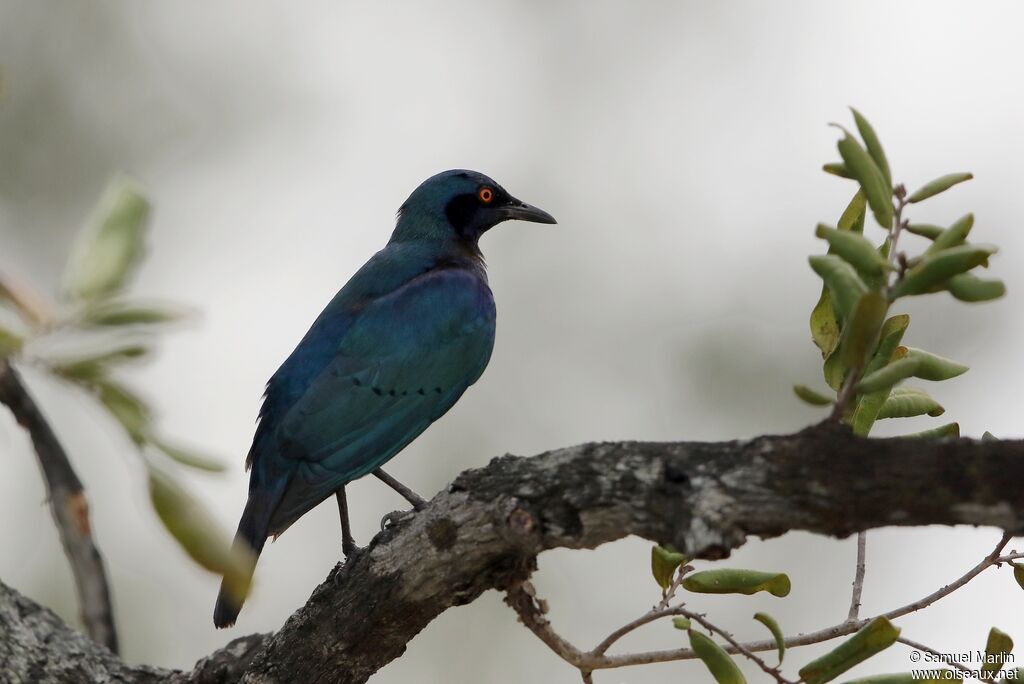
<point x="486" y="195"/>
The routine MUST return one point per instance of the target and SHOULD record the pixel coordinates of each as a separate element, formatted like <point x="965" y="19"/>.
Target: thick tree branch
<point x="485" y="531"/>
<point x="69" y="507"/>
<point x="37" y="646"/>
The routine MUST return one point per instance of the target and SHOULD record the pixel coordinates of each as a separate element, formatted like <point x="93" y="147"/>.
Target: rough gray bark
<point x="485" y="531"/>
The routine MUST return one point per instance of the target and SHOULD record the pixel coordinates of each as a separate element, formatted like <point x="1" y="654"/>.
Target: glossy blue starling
<point x="389" y="355"/>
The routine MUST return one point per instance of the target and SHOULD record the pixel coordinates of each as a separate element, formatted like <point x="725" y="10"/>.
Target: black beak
<point x="521" y="211"/>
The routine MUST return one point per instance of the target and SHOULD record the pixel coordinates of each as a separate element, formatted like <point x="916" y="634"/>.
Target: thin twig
<point x="69" y="508"/>
<point x="597" y="659"/>
<point x="927" y="649"/>
<point x="987" y="562"/>
<point x="659" y="611"/>
<point x="673" y="587"/>
<point x="647" y="617"/>
<point x="900" y="192"/>
<point x="858" y="576"/>
<point x="522" y="599"/>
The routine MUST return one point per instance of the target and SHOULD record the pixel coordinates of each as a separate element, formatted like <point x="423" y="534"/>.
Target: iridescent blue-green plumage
<point x="393" y="351"/>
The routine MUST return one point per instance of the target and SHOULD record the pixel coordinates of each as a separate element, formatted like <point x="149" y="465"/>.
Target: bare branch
<point x="69" y="507"/>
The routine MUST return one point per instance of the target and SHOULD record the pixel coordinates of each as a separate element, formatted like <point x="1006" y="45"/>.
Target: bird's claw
<point x="396" y="518"/>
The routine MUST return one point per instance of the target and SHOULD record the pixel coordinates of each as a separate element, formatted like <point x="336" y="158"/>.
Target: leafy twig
<point x="597" y="659"/>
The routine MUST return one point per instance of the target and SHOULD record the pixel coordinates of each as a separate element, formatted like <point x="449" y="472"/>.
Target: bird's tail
<point x="249" y="541"/>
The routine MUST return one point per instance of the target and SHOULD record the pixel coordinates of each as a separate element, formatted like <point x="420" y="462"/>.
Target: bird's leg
<point x="417" y="501"/>
<point x="395" y="517"/>
<point x="348" y="544"/>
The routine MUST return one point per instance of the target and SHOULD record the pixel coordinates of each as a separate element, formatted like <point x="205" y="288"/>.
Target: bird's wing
<point x="404" y="361"/>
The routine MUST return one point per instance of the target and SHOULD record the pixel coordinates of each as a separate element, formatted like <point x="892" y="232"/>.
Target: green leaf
<point x="664" y="561"/>
<point x="838" y="169"/>
<point x="89" y="367"/>
<point x="917" y="363"/>
<point x="953" y="236"/>
<point x="199" y="535"/>
<point x="10" y="343"/>
<point x="111" y="246"/>
<point x="108" y="314"/>
<point x="872" y="638"/>
<point x="844" y="285"/>
<point x="834" y="371"/>
<point x="83" y="372"/>
<point x="934" y="367"/>
<point x="968" y="287"/>
<point x="773" y="626"/>
<point x="734" y="581"/>
<point x="989" y="437"/>
<point x="869" y="404"/>
<point x="824" y="324"/>
<point x="855" y="249"/>
<point x="873" y="145"/>
<point x="937" y="268"/>
<point x="861" y="332"/>
<point x="186" y="457"/>
<point x="906" y="403"/>
<point x="942" y="432"/>
<point x="811" y="397"/>
<point x="718" y="662"/>
<point x="681" y="623"/>
<point x="997" y="650"/>
<point x="126" y="407"/>
<point x="925" y="230"/>
<point x="938" y="185"/>
<point x="888" y="376"/>
<point x="877" y="191"/>
<point x="852" y="218"/>
<point x="1018" y="573"/>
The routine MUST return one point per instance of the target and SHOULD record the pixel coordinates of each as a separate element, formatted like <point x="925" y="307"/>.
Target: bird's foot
<point x="398" y="517"/>
<point x="349" y="554"/>
<point x="349" y="549"/>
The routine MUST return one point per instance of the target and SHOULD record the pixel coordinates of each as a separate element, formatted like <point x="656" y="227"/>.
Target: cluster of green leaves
<point x="860" y="342"/>
<point x="91" y="333"/>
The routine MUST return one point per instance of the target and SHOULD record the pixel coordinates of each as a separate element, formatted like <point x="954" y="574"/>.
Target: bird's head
<point x="461" y="204"/>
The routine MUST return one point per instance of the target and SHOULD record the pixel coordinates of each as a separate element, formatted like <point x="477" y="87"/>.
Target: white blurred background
<point x="678" y="144"/>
